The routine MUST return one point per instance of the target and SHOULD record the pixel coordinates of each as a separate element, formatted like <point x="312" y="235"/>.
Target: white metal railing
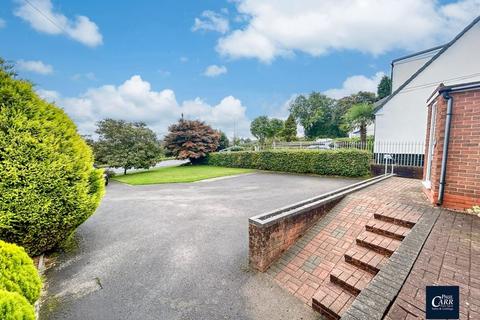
<point x="398" y="153"/>
<point x="403" y="153"/>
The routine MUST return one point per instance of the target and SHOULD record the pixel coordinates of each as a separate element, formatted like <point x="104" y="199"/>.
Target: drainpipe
<point x="446" y="140"/>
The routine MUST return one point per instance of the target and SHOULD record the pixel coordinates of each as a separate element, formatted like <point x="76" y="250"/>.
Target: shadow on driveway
<point x="177" y="251"/>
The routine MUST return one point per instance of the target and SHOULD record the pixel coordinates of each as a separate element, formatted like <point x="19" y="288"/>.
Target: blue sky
<point x="84" y="54"/>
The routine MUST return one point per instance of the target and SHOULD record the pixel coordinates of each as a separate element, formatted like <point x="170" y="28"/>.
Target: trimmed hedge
<point x="15" y="307"/>
<point x="349" y="163"/>
<point x="48" y="184"/>
<point x="18" y="273"/>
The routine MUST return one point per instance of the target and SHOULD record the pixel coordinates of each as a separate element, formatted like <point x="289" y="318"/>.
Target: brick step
<point x="351" y="278"/>
<point x="331" y="300"/>
<point x="405" y="219"/>
<point x="387" y="229"/>
<point x="378" y="243"/>
<point x="365" y="259"/>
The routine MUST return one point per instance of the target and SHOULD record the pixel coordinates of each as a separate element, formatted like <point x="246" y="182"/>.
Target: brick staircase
<point x="382" y="236"/>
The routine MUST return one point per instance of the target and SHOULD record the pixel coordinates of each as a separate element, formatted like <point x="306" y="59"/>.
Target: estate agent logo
<point x="442" y="302"/>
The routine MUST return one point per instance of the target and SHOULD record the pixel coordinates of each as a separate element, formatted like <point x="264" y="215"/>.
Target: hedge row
<point x="20" y="283"/>
<point x="349" y="163"/>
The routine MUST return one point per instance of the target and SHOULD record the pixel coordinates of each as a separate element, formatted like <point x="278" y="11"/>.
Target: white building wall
<point x="404" y="69"/>
<point x="404" y="117"/>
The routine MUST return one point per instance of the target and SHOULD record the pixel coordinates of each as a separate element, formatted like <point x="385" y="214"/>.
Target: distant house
<point x="401" y="119"/>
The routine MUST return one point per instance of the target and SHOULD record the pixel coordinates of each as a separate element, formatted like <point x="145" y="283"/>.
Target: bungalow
<point x="401" y="119"/>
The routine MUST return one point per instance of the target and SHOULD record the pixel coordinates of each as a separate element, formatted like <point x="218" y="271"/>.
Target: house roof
<point x="418" y="53"/>
<point x="427" y="64"/>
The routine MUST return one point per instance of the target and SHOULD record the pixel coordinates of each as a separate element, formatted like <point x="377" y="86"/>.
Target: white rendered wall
<point x="404" y="117"/>
<point x="404" y="69"/>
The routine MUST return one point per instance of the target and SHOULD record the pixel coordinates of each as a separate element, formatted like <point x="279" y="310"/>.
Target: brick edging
<point x="375" y="300"/>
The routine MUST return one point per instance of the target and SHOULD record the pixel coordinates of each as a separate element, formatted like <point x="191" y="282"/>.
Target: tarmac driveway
<point x="177" y="251"/>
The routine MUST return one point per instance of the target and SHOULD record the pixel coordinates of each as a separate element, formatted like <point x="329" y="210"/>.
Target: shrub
<point x="48" y="184"/>
<point x="15" y="307"/>
<point x="191" y="139"/>
<point x="17" y="272"/>
<point x="350" y="163"/>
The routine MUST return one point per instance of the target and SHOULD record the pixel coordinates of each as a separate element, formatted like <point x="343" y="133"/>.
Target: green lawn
<point x="178" y="174"/>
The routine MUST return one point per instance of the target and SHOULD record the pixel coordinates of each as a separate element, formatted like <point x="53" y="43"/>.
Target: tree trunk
<point x="363" y="133"/>
<point x="124" y="171"/>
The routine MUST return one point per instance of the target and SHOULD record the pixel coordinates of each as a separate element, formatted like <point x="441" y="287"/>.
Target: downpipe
<point x="446" y="140"/>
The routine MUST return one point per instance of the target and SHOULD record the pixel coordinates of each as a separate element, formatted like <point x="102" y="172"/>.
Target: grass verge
<point x="178" y="174"/>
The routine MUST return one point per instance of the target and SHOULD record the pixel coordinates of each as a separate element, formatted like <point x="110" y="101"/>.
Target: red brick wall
<point x="267" y="243"/>
<point x="462" y="189"/>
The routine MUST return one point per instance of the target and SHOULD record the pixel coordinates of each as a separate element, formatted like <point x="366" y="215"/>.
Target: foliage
<point x="48" y="184"/>
<point x="289" y="132"/>
<point x="344" y="104"/>
<point x="17" y="272"/>
<point x="223" y="143"/>
<point x="351" y="163"/>
<point x="275" y="128"/>
<point x="192" y="140"/>
<point x="7" y="68"/>
<point x="180" y="174"/>
<point x="126" y="145"/>
<point x="360" y="116"/>
<point x="264" y="128"/>
<point x="236" y="148"/>
<point x="317" y="115"/>
<point x="384" y="88"/>
<point x="15" y="307"/>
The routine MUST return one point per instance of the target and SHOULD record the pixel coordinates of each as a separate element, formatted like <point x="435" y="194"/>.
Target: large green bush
<point x="15" y="307"/>
<point x="350" y="163"/>
<point x="17" y="272"/>
<point x="48" y="185"/>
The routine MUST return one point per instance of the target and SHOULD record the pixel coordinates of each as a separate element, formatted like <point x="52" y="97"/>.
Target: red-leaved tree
<point x="191" y="139"/>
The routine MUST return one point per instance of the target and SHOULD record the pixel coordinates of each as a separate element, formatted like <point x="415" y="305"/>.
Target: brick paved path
<point x="338" y="257"/>
<point x="450" y="256"/>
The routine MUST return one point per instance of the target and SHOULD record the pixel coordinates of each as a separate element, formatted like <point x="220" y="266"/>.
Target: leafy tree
<point x="289" y="132"/>
<point x="316" y="115"/>
<point x="126" y="145"/>
<point x="384" y="88"/>
<point x="191" y="139"/>
<point x="360" y="97"/>
<point x="48" y="184"/>
<point x="275" y="127"/>
<point x="264" y="128"/>
<point x="259" y="128"/>
<point x="223" y="142"/>
<point x="360" y="116"/>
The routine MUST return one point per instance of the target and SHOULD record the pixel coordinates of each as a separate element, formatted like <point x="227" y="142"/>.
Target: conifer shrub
<point x="18" y="273"/>
<point x="48" y="184"/>
<point x="15" y="307"/>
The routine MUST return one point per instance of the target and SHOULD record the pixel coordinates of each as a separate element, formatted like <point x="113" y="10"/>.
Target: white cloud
<point x="87" y="76"/>
<point x="214" y="70"/>
<point x="41" y="15"/>
<point x="135" y="100"/>
<point x="212" y="21"/>
<point x="3" y="23"/>
<point x="354" y="84"/>
<point x="282" y="27"/>
<point x="164" y="73"/>
<point x="34" y="66"/>
<point x="183" y="59"/>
